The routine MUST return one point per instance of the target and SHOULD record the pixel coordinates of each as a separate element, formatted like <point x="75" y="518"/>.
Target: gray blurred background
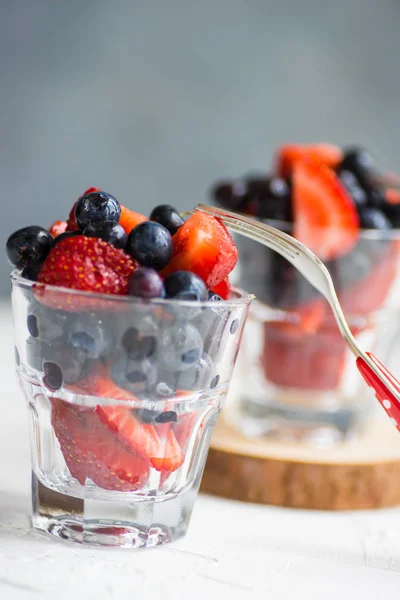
<point x="153" y="101"/>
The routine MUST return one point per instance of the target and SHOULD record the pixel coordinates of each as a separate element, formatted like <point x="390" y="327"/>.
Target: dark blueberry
<point x="65" y="236"/>
<point x="197" y="377"/>
<point x="132" y="375"/>
<point x="185" y="285"/>
<point x="163" y="390"/>
<point x="354" y="188"/>
<point x="17" y="358"/>
<point x="96" y="206"/>
<point x="213" y="297"/>
<point x="92" y="335"/>
<point x="168" y="216"/>
<point x="269" y="198"/>
<point x="360" y="162"/>
<point x="71" y="361"/>
<point x="230" y="194"/>
<point x="29" y="246"/>
<point x="168" y="416"/>
<point x="214" y="382"/>
<point x="109" y="231"/>
<point x="179" y="346"/>
<point x="146" y="283"/>
<point x="32" y="271"/>
<point x="53" y="377"/>
<point x="392" y="211"/>
<point x="373" y="218"/>
<point x="144" y="415"/>
<point x="47" y="325"/>
<point x="376" y="197"/>
<point x="150" y="244"/>
<point x="234" y="326"/>
<point x="34" y="353"/>
<point x="140" y="341"/>
<point x="213" y="323"/>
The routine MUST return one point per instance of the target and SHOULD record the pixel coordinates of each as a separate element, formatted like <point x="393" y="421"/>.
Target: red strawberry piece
<point x="129" y="219"/>
<point x="58" y="228"/>
<point x="184" y="427"/>
<point x="392" y="196"/>
<point x="204" y="246"/>
<point x="325" y="217"/>
<point x="91" y="452"/>
<point x="87" y="265"/>
<point x="289" y="154"/>
<point x="223" y="289"/>
<point x="171" y="456"/>
<point x="136" y="437"/>
<point x="72" y="226"/>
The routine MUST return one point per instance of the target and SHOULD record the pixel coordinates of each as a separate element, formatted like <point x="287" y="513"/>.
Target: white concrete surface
<point x="232" y="550"/>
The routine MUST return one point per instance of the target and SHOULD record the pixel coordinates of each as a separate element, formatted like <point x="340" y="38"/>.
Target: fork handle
<point x="389" y="402"/>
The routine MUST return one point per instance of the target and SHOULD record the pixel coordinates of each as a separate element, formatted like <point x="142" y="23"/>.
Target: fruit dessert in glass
<point x="337" y="202"/>
<point x="124" y="351"/>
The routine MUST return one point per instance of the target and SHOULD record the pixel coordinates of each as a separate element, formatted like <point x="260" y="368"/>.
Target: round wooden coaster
<point x="360" y="474"/>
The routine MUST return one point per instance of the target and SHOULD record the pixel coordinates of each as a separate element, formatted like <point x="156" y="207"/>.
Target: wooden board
<point x="361" y="474"/>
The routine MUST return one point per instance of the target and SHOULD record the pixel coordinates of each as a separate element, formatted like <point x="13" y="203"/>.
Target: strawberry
<point x="171" y="456"/>
<point x="129" y="219"/>
<point x="326" y="218"/>
<point x="204" y="246"/>
<point x="72" y="226"/>
<point x="91" y="452"/>
<point x="85" y="264"/>
<point x="58" y="228"/>
<point x="289" y="154"/>
<point x="223" y="289"/>
<point x="184" y="427"/>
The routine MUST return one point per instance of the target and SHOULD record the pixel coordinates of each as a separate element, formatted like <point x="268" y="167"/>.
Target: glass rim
<point x="365" y="234"/>
<point x="243" y="298"/>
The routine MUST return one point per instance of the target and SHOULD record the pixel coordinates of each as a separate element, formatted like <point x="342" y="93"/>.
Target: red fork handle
<point x="389" y="402"/>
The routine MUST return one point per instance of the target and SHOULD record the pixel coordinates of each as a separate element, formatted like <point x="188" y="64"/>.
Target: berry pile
<point x="139" y="351"/>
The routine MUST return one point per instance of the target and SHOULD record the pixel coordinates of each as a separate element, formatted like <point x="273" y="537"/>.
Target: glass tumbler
<point x="123" y="396"/>
<point x="296" y="378"/>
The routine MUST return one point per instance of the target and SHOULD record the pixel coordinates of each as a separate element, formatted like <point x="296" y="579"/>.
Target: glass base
<point x="319" y="427"/>
<point x="91" y="521"/>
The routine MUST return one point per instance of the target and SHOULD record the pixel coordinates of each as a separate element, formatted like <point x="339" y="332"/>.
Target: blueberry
<point x="197" y="377"/>
<point x="34" y="353"/>
<point x="269" y="198"/>
<point x="65" y="236"/>
<point x="354" y="188"/>
<point x="145" y="415"/>
<point x="72" y="362"/>
<point x="53" y="377"/>
<point x="132" y="375"/>
<point x="234" y="326"/>
<point x="47" y="325"/>
<point x="146" y="283"/>
<point x="179" y="346"/>
<point x="92" y="335"/>
<point x="360" y="162"/>
<point x="163" y="390"/>
<point x="214" y="382"/>
<point x="168" y="416"/>
<point x="150" y="244"/>
<point x="376" y="197"/>
<point x="109" y="231"/>
<point x="229" y="194"/>
<point x="32" y="271"/>
<point x="212" y="297"/>
<point x="373" y="218"/>
<point x="392" y="211"/>
<point x="17" y="357"/>
<point x="140" y="341"/>
<point x="185" y="285"/>
<point x="29" y="246"/>
<point x="96" y="206"/>
<point x="167" y="215"/>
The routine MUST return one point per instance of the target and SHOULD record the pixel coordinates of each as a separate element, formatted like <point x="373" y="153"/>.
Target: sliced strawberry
<point x="223" y="289"/>
<point x="58" y="228"/>
<point x="204" y="246"/>
<point x="392" y="196"/>
<point x="184" y="427"/>
<point x="85" y="264"/>
<point x="129" y="219"/>
<point x="71" y="225"/>
<point x="289" y="154"/>
<point x="326" y="218"/>
<point x="91" y="452"/>
<point x="171" y="456"/>
<point x="134" y="436"/>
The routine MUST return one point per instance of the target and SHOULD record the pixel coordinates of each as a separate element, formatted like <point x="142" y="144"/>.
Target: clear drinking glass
<point x="123" y="396"/>
<point x="296" y="379"/>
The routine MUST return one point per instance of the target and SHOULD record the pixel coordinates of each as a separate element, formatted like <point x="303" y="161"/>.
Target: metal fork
<point x="387" y="388"/>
